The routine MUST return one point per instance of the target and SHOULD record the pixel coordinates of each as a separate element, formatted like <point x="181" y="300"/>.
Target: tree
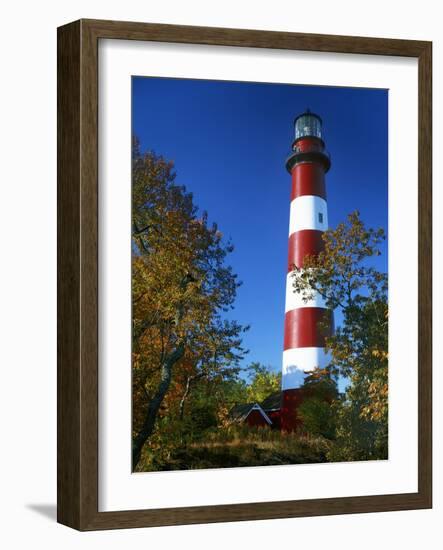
<point x="342" y="274"/>
<point x="362" y="415"/>
<point x="264" y="382"/>
<point x="316" y="411"/>
<point x="181" y="286"/>
<point x="212" y="358"/>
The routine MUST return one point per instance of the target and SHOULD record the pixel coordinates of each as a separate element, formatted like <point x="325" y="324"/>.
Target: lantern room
<point x="308" y="145"/>
<point x="308" y="125"/>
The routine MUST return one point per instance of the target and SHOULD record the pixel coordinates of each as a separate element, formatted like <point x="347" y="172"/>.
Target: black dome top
<point x="308" y="113"/>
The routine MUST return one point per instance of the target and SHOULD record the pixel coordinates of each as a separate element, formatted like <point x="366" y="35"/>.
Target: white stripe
<point x="308" y="212"/>
<point x="298" y="361"/>
<point x="295" y="300"/>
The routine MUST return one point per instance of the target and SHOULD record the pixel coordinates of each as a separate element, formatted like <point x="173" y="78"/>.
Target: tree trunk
<point x="186" y="393"/>
<point x="184" y="396"/>
<point x="154" y="404"/>
<point x="189" y="381"/>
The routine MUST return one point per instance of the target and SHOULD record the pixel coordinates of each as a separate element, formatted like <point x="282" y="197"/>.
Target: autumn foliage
<point x="346" y="278"/>
<point x="181" y="285"/>
<point x="188" y="367"/>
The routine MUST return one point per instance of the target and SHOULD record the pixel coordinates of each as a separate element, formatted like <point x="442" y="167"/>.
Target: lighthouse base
<point x="290" y="419"/>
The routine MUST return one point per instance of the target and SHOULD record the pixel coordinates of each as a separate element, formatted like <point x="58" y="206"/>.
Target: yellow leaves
<point x="223" y="416"/>
<point x="343" y="274"/>
<point x="179" y="280"/>
<point x="382" y="354"/>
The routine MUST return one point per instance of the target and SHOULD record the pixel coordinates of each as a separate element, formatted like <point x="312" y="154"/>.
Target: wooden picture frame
<point x="78" y="274"/>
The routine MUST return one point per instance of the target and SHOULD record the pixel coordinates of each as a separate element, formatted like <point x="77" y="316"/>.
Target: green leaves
<point x="320" y="390"/>
<point x="341" y="273"/>
<point x="344" y="276"/>
<point x="181" y="284"/>
<point x="264" y="382"/>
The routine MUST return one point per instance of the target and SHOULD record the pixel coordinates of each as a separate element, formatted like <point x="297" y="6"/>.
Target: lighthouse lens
<point x="307" y="125"/>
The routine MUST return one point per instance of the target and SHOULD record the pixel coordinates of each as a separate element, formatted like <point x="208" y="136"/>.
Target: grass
<point x="237" y="446"/>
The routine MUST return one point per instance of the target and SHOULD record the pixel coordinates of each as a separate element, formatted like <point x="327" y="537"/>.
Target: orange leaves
<point x="344" y="275"/>
<point x="180" y="284"/>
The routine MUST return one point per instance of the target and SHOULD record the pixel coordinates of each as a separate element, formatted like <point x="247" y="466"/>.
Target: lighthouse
<point x="304" y="325"/>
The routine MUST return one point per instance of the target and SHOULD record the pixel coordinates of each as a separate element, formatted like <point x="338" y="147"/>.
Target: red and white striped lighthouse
<point x="304" y="339"/>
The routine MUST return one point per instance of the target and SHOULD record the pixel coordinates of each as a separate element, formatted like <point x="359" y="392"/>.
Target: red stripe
<point x="308" y="178"/>
<point x="302" y="328"/>
<point x="309" y="144"/>
<point x="307" y="242"/>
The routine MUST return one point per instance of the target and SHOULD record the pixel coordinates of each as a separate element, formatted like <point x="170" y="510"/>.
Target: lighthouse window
<point x="307" y="125"/>
<point x="320" y="217"/>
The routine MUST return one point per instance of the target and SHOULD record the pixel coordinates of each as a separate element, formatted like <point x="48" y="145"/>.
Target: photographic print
<point x="259" y="274"/>
<point x="223" y="300"/>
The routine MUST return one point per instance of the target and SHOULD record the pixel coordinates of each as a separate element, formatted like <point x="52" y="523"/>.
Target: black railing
<point x="309" y="150"/>
<point x="309" y="154"/>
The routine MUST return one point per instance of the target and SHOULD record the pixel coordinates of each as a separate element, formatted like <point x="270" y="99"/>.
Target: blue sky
<point x="229" y="142"/>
